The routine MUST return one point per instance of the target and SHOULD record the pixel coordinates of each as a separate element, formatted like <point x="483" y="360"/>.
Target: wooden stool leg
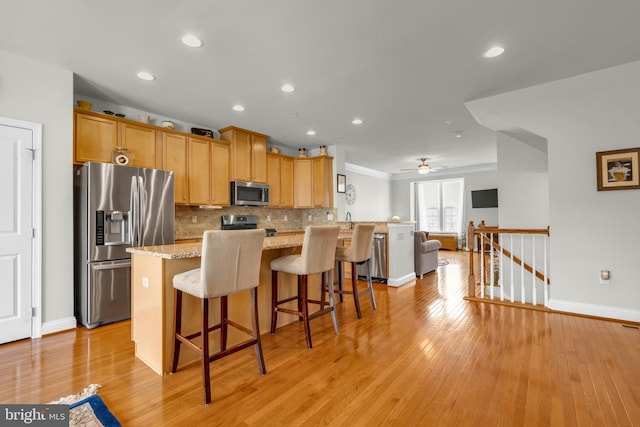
<point x="340" y="280"/>
<point x="354" y="285"/>
<point x="332" y="304"/>
<point x="205" y="351"/>
<point x="255" y="326"/>
<point x="177" y="328"/>
<point x="370" y="285"/>
<point x="224" y="316"/>
<point x="274" y="300"/>
<point x="302" y="285"/>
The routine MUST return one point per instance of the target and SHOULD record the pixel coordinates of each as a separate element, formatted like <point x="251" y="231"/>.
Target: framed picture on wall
<point x="618" y="169"/>
<point x="342" y="183"/>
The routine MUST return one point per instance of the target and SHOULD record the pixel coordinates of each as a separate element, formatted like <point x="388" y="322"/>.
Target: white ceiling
<point x="404" y="67"/>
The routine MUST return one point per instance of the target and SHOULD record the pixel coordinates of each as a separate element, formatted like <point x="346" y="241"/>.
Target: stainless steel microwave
<point x="249" y="193"/>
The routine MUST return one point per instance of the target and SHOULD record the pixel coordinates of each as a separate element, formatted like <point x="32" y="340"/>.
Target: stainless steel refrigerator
<point x="116" y="207"/>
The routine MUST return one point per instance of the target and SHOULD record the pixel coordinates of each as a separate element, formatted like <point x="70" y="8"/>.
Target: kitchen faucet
<point x="348" y="219"/>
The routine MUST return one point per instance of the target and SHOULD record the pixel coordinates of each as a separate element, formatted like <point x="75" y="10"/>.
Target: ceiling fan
<point x="422" y="168"/>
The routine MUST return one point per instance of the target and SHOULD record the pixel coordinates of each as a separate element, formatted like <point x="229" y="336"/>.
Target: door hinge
<point x="34" y="312"/>
<point x="33" y="233"/>
<point x="33" y="153"/>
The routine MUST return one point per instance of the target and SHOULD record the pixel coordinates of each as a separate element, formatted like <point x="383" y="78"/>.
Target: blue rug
<point x="91" y="411"/>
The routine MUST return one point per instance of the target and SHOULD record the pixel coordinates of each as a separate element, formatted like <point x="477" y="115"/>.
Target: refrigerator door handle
<point x="135" y="220"/>
<point x="142" y="210"/>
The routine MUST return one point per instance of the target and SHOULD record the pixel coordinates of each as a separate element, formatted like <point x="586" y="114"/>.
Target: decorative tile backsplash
<point x="209" y="219"/>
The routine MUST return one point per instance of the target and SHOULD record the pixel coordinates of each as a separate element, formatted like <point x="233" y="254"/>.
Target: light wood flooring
<point x="425" y="357"/>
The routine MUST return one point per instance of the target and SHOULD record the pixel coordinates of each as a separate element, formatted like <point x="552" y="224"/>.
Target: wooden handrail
<point x="482" y="231"/>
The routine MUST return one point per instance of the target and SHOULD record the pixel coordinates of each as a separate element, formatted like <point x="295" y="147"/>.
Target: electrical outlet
<point x="194" y="219"/>
<point x="145" y="282"/>
<point x="285" y="218"/>
<point x="268" y="218"/>
<point x="309" y="217"/>
<point x="329" y="217"/>
<point x="605" y="277"/>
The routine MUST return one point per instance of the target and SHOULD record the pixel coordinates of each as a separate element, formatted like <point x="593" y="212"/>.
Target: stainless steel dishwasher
<point x="378" y="259"/>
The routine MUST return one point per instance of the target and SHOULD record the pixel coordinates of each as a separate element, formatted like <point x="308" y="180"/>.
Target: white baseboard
<point x="403" y="280"/>
<point x="58" y="326"/>
<point x="595" y="310"/>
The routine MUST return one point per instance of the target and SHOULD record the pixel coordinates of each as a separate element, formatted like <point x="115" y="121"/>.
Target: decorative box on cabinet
<point x="248" y="154"/>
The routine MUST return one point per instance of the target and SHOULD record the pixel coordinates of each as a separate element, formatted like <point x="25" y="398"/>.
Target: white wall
<point x="590" y="230"/>
<point x="402" y="189"/>
<point x="373" y="191"/>
<point x="36" y="92"/>
<point x="523" y="184"/>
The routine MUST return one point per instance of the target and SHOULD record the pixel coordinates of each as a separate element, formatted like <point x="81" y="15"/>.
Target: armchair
<point x="425" y="253"/>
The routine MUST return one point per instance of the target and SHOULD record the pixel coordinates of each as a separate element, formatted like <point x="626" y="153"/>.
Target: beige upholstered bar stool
<point x="230" y="264"/>
<point x="317" y="257"/>
<point x="359" y="252"/>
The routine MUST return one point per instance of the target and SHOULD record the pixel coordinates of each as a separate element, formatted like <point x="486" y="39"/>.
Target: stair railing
<point x="509" y="260"/>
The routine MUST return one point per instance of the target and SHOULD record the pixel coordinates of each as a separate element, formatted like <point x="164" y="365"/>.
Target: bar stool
<point x="358" y="253"/>
<point x="230" y="264"/>
<point x="318" y="256"/>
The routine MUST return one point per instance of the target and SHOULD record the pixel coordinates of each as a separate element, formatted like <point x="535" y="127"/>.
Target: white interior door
<point x="16" y="232"/>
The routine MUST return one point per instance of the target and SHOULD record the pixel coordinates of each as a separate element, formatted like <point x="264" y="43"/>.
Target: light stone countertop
<point x="194" y="250"/>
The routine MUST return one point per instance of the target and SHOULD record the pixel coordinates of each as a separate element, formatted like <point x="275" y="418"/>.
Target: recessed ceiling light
<point x="287" y="88"/>
<point x="448" y="122"/>
<point x="356" y="121"/>
<point x="458" y="134"/>
<point x="191" y="40"/>
<point x="311" y="132"/>
<point x="146" y="76"/>
<point x="493" y="52"/>
<point x="238" y="108"/>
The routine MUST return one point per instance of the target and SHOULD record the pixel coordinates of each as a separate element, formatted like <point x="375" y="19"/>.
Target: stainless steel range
<point x="243" y="222"/>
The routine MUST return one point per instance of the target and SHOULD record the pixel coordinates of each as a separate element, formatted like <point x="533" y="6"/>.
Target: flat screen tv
<point x="484" y="198"/>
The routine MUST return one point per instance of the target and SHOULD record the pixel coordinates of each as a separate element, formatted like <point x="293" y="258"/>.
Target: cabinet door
<point x="199" y="172"/>
<point x="273" y="179"/>
<point x="220" y="192"/>
<point x="174" y="158"/>
<point x="241" y="155"/>
<point x="94" y="139"/>
<point x="303" y="183"/>
<point x="322" y="182"/>
<point x="286" y="182"/>
<point x="258" y="158"/>
<point x="140" y="142"/>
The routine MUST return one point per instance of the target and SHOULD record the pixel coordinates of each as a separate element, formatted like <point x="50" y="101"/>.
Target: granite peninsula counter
<point x="152" y="271"/>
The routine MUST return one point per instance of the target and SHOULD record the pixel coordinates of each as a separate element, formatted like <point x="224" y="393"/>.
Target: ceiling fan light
<point x="423" y="169"/>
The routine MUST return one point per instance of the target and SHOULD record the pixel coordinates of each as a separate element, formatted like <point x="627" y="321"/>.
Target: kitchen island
<point x="152" y="271"/>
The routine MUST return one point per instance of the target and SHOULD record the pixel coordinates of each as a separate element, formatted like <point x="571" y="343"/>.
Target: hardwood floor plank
<point x="426" y="356"/>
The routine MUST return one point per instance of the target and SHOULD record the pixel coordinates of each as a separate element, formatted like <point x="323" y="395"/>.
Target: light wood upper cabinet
<point x="303" y="183"/>
<point x="248" y="154"/>
<point x="140" y="142"/>
<point x="323" y="182"/>
<point x="94" y="139"/>
<point x="208" y="172"/>
<point x="280" y="180"/>
<point x="286" y="180"/>
<point x="313" y="181"/>
<point x="220" y="190"/>
<point x="174" y="158"/>
<point x="97" y="136"/>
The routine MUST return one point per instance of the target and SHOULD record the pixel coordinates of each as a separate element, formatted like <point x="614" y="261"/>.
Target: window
<point x="439" y="205"/>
